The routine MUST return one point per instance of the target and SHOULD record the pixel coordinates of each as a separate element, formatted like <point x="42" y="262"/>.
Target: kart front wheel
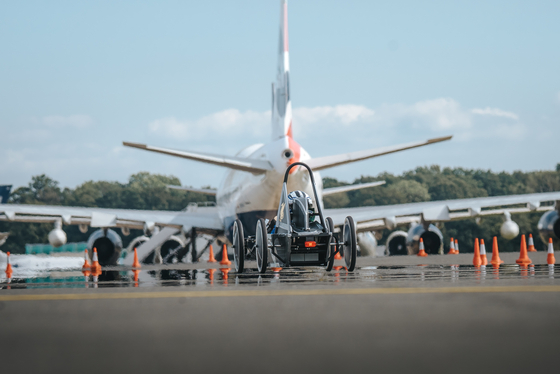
<point x="261" y="242"/>
<point x="330" y="249"/>
<point x="238" y="246"/>
<point x="349" y="243"/>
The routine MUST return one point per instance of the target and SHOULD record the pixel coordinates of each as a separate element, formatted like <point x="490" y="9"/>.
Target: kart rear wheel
<point x="238" y="246"/>
<point x="261" y="242"/>
<point x="349" y="243"/>
<point x="330" y="249"/>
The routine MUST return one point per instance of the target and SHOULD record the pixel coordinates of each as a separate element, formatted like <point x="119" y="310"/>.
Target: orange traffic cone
<point x="225" y="272"/>
<point x="451" y="247"/>
<point x="523" y="257"/>
<point x="86" y="266"/>
<point x="531" y="244"/>
<point x="456" y="247"/>
<point x="95" y="267"/>
<point x="225" y="260"/>
<point x="135" y="274"/>
<point x="211" y="275"/>
<point x="550" y="256"/>
<point x="275" y="269"/>
<point x="337" y="255"/>
<point x="9" y="270"/>
<point x="211" y="257"/>
<point x="476" y="259"/>
<point x="421" y="250"/>
<point x="496" y="260"/>
<point x="136" y="263"/>
<point x="483" y="258"/>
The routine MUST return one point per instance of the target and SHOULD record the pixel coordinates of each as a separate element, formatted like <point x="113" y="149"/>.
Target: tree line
<point x="142" y="191"/>
<point x="149" y="192"/>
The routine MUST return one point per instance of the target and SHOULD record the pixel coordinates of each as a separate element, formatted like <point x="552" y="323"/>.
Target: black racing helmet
<point x="299" y="194"/>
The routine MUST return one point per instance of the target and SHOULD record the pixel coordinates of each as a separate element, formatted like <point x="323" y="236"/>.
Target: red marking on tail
<point x="296" y="149"/>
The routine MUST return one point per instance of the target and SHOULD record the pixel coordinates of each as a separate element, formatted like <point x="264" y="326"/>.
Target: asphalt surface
<point x="403" y="314"/>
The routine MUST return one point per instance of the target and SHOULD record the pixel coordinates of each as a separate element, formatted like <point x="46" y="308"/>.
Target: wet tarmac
<point x="399" y="314"/>
<point x="370" y="272"/>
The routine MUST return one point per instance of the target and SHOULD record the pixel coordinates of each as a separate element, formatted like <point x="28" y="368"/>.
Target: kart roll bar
<point x="286" y="175"/>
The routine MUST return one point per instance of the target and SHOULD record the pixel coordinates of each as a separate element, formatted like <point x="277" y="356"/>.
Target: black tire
<point x="331" y="250"/>
<point x="261" y="242"/>
<point x="238" y="246"/>
<point x="349" y="243"/>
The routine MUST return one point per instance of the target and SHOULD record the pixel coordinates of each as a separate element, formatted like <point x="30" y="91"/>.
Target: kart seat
<point x="300" y="214"/>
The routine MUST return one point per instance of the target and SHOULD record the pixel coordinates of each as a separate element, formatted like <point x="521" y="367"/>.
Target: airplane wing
<point x="389" y="216"/>
<point x="321" y="163"/>
<point x="190" y="189"/>
<point x="351" y="187"/>
<point x="203" y="218"/>
<point x="238" y="163"/>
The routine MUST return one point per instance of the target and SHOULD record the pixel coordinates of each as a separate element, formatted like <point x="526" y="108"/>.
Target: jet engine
<point x="137" y="242"/>
<point x="432" y="237"/>
<point x="367" y="244"/>
<point x="169" y="249"/>
<point x="549" y="226"/>
<point x="396" y="244"/>
<point x="108" y="244"/>
<point x="166" y="252"/>
<point x="57" y="237"/>
<point x="509" y="229"/>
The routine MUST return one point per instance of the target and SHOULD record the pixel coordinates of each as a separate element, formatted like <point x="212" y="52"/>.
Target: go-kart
<point x="295" y="237"/>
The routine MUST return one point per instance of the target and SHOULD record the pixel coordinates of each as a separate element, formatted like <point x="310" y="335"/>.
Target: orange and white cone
<point x="225" y="272"/>
<point x="95" y="267"/>
<point x="456" y="247"/>
<point x="476" y="258"/>
<point x="531" y="244"/>
<point x="483" y="258"/>
<point x="211" y="256"/>
<point x="86" y="266"/>
<point x="451" y="247"/>
<point x="550" y="256"/>
<point x="136" y="263"/>
<point x="523" y="257"/>
<point x="496" y="260"/>
<point x="211" y="275"/>
<point x="225" y="259"/>
<point x="136" y="273"/>
<point x="337" y="255"/>
<point x="9" y="270"/>
<point x="421" y="249"/>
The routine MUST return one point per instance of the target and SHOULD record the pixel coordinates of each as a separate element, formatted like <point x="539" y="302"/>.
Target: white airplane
<point x="251" y="190"/>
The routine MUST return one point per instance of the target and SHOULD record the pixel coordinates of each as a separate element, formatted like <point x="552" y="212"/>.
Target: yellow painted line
<point x="298" y="292"/>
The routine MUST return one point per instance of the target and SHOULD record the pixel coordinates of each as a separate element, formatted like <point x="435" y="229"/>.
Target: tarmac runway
<point x="399" y="314"/>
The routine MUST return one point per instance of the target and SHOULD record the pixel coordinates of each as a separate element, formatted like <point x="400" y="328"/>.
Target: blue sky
<point x="78" y="78"/>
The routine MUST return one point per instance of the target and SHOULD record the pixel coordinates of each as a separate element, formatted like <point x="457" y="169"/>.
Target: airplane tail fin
<point x="5" y="194"/>
<point x="281" y="103"/>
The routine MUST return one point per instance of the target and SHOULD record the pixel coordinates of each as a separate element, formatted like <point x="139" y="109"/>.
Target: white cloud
<point x="495" y="112"/>
<point x="441" y="116"/>
<point x="435" y="115"/>
<point x="78" y="120"/>
<point x="344" y="114"/>
<point x="230" y="122"/>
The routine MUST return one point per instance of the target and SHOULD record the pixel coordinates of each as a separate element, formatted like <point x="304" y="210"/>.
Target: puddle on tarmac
<point x="167" y="276"/>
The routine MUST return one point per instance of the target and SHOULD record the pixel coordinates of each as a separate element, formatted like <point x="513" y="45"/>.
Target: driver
<point x="310" y="207"/>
